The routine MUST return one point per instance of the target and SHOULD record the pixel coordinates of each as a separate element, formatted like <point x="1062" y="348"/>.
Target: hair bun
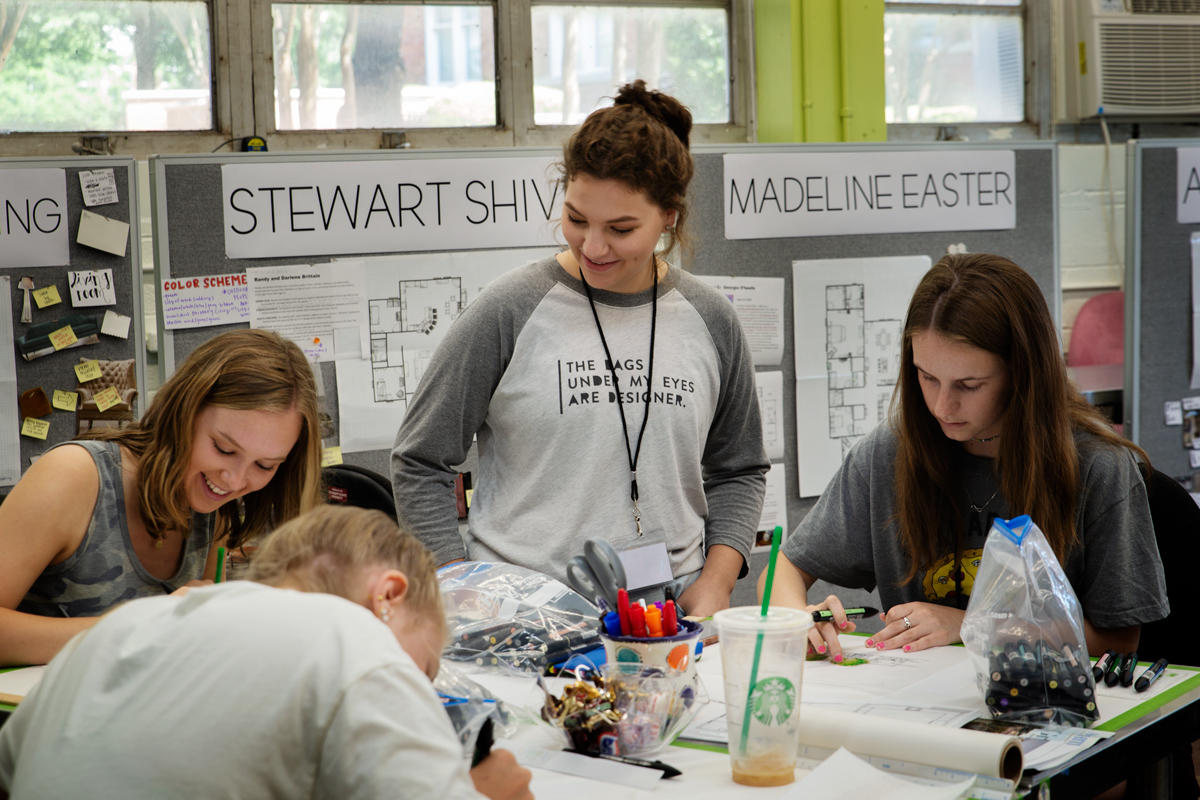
<point x="661" y="106"/>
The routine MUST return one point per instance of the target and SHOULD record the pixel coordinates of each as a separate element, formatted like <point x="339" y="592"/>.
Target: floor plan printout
<point x="770" y="407"/>
<point x="412" y="301"/>
<point x="849" y="316"/>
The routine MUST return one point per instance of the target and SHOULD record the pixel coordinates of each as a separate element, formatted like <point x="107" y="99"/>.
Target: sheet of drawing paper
<point x="770" y="406"/>
<point x="314" y="305"/>
<point x="759" y="306"/>
<point x="849" y="317"/>
<point x="774" y="512"/>
<point x="844" y="776"/>
<point x="33" y="228"/>
<point x="19" y="682"/>
<point x="412" y="300"/>
<point x="205" y="300"/>
<point x="1195" y="384"/>
<point x="10" y="419"/>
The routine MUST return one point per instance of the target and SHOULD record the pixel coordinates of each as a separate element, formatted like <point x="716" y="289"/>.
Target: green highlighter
<point x="220" y="565"/>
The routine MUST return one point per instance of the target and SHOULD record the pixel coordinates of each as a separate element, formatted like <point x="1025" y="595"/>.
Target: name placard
<point x="355" y="207"/>
<point x="779" y="195"/>
<point x="33" y="218"/>
<point x="1188" y="168"/>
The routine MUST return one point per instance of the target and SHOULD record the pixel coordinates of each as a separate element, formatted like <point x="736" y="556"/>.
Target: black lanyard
<point x="636" y="452"/>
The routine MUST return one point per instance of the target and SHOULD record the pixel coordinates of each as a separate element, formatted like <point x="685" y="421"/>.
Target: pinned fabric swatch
<point x="115" y="324"/>
<point x="34" y="403"/>
<point x="102" y="233"/>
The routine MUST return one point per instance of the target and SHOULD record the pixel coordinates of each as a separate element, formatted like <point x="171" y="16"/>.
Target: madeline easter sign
<point x="779" y="195"/>
<point x="388" y="206"/>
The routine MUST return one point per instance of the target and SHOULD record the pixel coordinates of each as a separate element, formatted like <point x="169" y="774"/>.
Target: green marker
<point x="220" y="564"/>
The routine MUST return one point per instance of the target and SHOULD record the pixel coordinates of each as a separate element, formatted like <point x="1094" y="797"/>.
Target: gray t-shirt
<point x="850" y="537"/>
<point x="104" y="570"/>
<point x="524" y="368"/>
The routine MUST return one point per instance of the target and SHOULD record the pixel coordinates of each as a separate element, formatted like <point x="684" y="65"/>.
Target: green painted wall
<point x="819" y="70"/>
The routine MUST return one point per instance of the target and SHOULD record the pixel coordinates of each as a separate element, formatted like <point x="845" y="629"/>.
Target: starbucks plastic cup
<point x="762" y="706"/>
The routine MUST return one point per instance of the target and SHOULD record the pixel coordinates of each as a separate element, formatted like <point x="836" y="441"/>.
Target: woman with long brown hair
<point x="984" y="424"/>
<point x="136" y="512"/>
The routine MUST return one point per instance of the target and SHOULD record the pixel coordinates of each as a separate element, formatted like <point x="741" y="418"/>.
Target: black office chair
<point x="1177" y="530"/>
<point x="356" y="486"/>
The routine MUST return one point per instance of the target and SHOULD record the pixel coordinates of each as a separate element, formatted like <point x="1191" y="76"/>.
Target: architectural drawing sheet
<point x="412" y="300"/>
<point x="849" y="316"/>
<point x="774" y="512"/>
<point x="1195" y="383"/>
<point x="759" y="306"/>
<point x="10" y="421"/>
<point x="770" y="406"/>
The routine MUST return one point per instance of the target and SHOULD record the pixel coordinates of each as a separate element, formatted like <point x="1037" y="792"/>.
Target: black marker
<point x="1102" y="664"/>
<point x="1131" y="661"/>
<point x="1113" y="673"/>
<point x="1150" y="675"/>
<point x="851" y="613"/>
<point x="483" y="743"/>
<point x="667" y="770"/>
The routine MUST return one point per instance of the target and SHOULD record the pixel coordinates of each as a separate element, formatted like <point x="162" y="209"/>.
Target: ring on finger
<point x="907" y="623"/>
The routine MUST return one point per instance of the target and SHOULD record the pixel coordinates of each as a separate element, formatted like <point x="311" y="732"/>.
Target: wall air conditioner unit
<point x="1132" y="57"/>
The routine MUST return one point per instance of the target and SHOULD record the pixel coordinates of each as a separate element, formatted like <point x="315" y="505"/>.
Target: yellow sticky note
<point x="467" y="495"/>
<point x="88" y="371"/>
<point x="63" y="337"/>
<point x="107" y="398"/>
<point x="65" y="401"/>
<point x="47" y="296"/>
<point x="35" y="428"/>
<point x="331" y="456"/>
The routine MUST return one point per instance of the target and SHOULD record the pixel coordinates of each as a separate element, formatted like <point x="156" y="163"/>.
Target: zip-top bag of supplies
<point x="1024" y="631"/>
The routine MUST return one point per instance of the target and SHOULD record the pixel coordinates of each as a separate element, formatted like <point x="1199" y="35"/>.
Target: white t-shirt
<point x="236" y="690"/>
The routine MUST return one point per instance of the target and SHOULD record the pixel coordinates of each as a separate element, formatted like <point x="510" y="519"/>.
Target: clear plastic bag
<point x="1024" y="631"/>
<point x="468" y="704"/>
<point x="502" y="614"/>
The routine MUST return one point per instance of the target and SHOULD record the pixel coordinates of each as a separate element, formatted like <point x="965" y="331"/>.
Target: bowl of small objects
<point x="625" y="709"/>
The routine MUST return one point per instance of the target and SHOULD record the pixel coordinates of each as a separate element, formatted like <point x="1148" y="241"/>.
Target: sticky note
<point x="88" y="371"/>
<point x="331" y="456"/>
<point x="63" y="337"/>
<point x="65" y="401"/>
<point x="107" y="398"/>
<point x="99" y="187"/>
<point x="102" y="233"/>
<point x="35" y="428"/>
<point x="1173" y="412"/>
<point x="115" y="325"/>
<point x="47" y="296"/>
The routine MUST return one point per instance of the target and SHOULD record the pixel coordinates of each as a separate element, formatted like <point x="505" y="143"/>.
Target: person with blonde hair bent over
<point x="310" y="680"/>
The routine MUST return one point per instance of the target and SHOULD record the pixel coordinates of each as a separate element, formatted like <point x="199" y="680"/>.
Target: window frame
<point x="1037" y="31"/>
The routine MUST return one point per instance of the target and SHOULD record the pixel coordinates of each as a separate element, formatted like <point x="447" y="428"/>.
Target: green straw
<point x="759" y="642"/>
<point x="221" y="566"/>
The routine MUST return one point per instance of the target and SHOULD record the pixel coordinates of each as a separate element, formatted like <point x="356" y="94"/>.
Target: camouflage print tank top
<point x="104" y="570"/>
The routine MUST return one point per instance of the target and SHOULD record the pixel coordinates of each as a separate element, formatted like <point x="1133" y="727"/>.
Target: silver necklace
<point x="979" y="509"/>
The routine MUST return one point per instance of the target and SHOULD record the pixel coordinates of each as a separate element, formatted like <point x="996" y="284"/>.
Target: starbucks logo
<point x="772" y="700"/>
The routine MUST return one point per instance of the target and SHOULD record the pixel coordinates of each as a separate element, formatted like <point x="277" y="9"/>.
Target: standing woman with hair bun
<point x="612" y="395"/>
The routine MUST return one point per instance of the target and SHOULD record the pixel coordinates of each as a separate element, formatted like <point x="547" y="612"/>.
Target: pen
<point x="1151" y="674"/>
<point x="483" y="743"/>
<point x="1131" y="661"/>
<point x="1102" y="664"/>
<point x="1113" y="673"/>
<point x="851" y="613"/>
<point x="220" y="564"/>
<point x="667" y="770"/>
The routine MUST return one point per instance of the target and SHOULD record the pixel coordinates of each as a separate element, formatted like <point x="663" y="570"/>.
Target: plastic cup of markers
<point x="762" y="712"/>
<point x="678" y="652"/>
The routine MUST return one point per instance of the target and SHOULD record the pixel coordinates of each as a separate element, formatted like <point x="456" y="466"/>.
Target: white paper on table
<point x="308" y="303"/>
<point x="845" y="775"/>
<point x="770" y="407"/>
<point x="1195" y="383"/>
<point x="849" y="320"/>
<point x="35" y="229"/>
<point x="597" y="769"/>
<point x="759" y="306"/>
<point x="412" y="300"/>
<point x="10" y="422"/>
<point x="205" y="300"/>
<point x="103" y="233"/>
<point x="774" y="513"/>
<point x="20" y="682"/>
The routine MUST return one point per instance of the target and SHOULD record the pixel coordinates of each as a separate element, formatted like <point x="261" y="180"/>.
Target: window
<point x="102" y="65"/>
<point x="955" y="62"/>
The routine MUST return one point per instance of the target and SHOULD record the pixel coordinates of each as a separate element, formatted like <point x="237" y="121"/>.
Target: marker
<point x="667" y="770"/>
<point x="1151" y="674"/>
<point x="637" y="621"/>
<point x="1102" y="664"/>
<point x="1113" y="673"/>
<point x="483" y="743"/>
<point x="670" y="620"/>
<point x="220" y="564"/>
<point x="851" y="613"/>
<point x="1026" y="653"/>
<point x="623" y="610"/>
<point x="1014" y="657"/>
<point x="1127" y="672"/>
<point x="612" y="623"/>
<point x="654" y="622"/>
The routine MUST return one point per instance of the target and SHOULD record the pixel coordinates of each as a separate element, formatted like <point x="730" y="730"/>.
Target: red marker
<point x="637" y="621"/>
<point x="623" y="611"/>
<point x="670" y="620"/>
